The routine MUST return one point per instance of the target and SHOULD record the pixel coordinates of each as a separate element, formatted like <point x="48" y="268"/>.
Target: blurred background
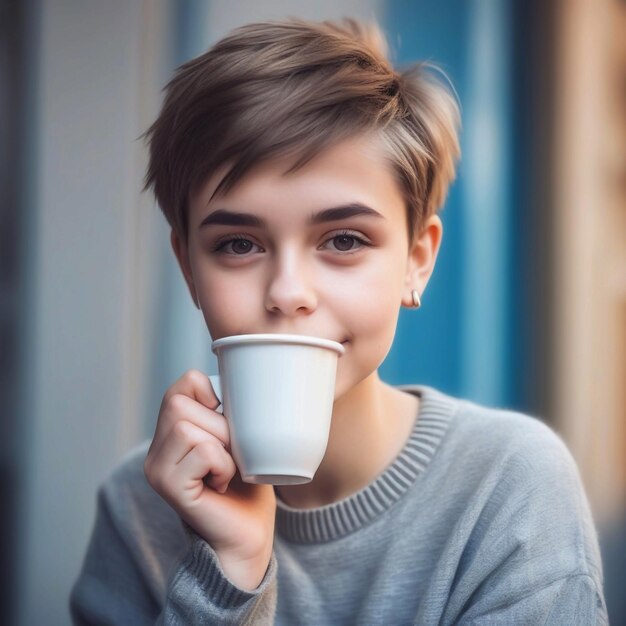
<point x="526" y="308"/>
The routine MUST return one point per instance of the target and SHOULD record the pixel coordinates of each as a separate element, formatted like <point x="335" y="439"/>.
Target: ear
<point x="421" y="259"/>
<point x="182" y="255"/>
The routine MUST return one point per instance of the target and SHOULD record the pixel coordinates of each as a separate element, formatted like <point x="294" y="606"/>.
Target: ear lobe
<point x="182" y="256"/>
<point x="422" y="256"/>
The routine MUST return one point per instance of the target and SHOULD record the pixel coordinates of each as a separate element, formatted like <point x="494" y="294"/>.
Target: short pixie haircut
<point x="296" y="87"/>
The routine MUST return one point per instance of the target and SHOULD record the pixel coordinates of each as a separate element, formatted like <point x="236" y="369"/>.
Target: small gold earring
<point x="416" y="299"/>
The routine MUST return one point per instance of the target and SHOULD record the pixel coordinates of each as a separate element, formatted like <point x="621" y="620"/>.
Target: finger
<point x="180" y="407"/>
<point x="182" y="439"/>
<point x="206" y="463"/>
<point x="194" y="384"/>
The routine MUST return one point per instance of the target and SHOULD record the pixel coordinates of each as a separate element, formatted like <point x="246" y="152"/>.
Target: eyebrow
<point x="230" y="218"/>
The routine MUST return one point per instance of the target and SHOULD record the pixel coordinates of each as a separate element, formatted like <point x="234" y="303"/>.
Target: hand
<point x="190" y="466"/>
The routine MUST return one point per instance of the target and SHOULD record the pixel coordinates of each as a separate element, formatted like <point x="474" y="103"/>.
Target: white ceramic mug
<point x="277" y="393"/>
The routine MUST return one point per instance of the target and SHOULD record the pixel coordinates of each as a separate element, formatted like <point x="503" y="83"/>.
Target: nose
<point x="290" y="289"/>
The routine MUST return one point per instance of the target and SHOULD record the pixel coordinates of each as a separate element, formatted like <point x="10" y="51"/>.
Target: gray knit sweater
<point x="481" y="519"/>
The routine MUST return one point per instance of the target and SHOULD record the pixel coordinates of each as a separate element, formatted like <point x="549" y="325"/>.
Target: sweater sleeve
<point x="571" y="601"/>
<point x="530" y="554"/>
<point x="144" y="566"/>
<point x="201" y="593"/>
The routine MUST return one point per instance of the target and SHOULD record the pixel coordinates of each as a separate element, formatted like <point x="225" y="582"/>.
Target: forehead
<point x="354" y="170"/>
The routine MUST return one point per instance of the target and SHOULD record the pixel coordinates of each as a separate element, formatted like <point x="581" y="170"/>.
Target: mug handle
<point x="217" y="388"/>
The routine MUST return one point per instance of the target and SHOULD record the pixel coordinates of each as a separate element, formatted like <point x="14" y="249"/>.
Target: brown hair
<point x="295" y="87"/>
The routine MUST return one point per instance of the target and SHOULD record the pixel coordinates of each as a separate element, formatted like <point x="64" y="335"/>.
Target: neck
<point x="370" y="425"/>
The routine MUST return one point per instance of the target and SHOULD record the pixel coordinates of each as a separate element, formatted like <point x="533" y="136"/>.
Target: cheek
<point x="225" y="304"/>
<point x="372" y="299"/>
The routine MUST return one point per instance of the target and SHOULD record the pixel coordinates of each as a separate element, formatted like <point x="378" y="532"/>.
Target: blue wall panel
<point x="459" y="340"/>
<point x="428" y="345"/>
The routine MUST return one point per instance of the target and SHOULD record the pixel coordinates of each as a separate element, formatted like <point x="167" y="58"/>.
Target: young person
<point x="301" y="176"/>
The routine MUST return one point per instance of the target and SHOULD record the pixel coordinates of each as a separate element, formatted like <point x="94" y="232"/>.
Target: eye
<point x="345" y="239"/>
<point x="241" y="245"/>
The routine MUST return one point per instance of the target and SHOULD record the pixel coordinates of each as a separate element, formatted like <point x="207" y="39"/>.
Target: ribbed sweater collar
<point x="346" y="516"/>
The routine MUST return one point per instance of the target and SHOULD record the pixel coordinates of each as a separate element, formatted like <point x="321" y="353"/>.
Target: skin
<point x="292" y="277"/>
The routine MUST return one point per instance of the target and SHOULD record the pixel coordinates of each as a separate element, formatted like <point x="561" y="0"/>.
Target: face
<point x="270" y="256"/>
